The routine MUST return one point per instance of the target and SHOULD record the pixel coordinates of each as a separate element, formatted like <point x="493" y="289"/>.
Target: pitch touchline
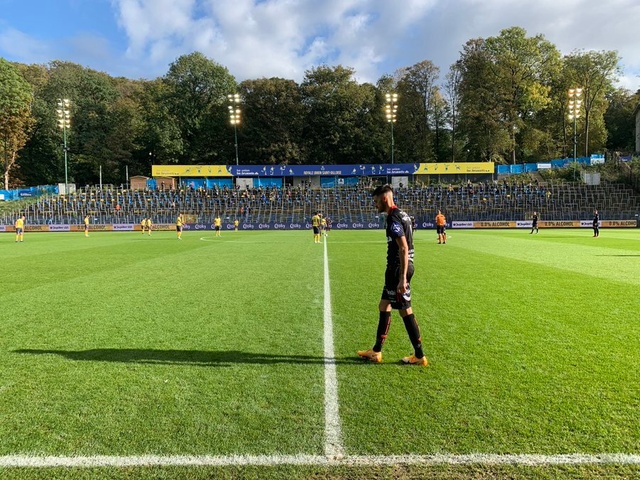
<point x="27" y="461"/>
<point x="333" y="436"/>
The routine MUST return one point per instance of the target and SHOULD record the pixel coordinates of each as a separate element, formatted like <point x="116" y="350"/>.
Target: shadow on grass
<point x="183" y="357"/>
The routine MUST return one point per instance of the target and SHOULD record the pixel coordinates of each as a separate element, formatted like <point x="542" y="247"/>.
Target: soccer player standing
<point x="20" y="229"/>
<point x="596" y="223"/>
<point x="315" y="224"/>
<point x="534" y="223"/>
<point x="217" y="225"/>
<point x="396" y="293"/>
<point x="179" y="224"/>
<point x="441" y="227"/>
<point x="86" y="225"/>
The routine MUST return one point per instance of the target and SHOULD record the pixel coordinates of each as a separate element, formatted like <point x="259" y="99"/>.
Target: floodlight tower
<point x="391" y="109"/>
<point x="575" y="103"/>
<point x="64" y="123"/>
<point x="234" y="117"/>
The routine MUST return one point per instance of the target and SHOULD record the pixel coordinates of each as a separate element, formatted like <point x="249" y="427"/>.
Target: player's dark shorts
<point x="440" y="229"/>
<point x="19" y="231"/>
<point x="178" y="228"/>
<point x="217" y="228"/>
<point x="389" y="291"/>
<point x="534" y="224"/>
<point x="316" y="230"/>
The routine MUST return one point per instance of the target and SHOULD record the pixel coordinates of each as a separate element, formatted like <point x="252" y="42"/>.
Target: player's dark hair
<point x="381" y="190"/>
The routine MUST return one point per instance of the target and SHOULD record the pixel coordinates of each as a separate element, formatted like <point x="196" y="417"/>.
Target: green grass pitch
<point x="122" y="344"/>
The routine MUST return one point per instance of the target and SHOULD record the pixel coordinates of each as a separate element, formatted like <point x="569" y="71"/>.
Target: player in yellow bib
<point x="86" y="225"/>
<point x="149" y="224"/>
<point x="179" y="224"/>
<point x="315" y="224"/>
<point x="20" y="229"/>
<point x="217" y="225"/>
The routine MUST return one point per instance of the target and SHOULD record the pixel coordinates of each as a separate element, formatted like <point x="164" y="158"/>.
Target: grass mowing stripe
<point x="22" y="461"/>
<point x="333" y="445"/>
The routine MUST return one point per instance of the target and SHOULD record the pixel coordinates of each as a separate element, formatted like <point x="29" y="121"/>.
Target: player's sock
<point x="383" y="329"/>
<point x="413" y="330"/>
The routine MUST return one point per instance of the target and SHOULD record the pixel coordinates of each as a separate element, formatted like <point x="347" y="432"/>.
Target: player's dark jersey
<point x="596" y="220"/>
<point x="398" y="225"/>
<point x="534" y="220"/>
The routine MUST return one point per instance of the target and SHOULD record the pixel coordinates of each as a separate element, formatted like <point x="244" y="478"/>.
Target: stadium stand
<point x="484" y="201"/>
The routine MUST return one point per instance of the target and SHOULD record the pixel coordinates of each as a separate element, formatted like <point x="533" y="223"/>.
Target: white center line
<point x="333" y="447"/>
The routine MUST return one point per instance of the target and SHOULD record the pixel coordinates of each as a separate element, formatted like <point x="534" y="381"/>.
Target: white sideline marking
<point x="333" y="447"/>
<point x="25" y="461"/>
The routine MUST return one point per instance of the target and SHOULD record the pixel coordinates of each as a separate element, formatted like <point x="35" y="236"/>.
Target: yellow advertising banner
<point x="619" y="223"/>
<point x="455" y="168"/>
<point x="560" y="224"/>
<point x="36" y="228"/>
<point x="190" y="171"/>
<point x="494" y="224"/>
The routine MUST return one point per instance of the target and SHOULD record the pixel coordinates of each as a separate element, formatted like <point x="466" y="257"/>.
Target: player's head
<point x="383" y="197"/>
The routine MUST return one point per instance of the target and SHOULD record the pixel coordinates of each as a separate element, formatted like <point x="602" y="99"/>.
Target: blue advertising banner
<point x="323" y="170"/>
<point x="243" y="226"/>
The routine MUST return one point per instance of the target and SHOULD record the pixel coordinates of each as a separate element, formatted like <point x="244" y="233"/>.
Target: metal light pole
<point x="234" y="117"/>
<point x="391" y="108"/>
<point x="64" y="122"/>
<point x="575" y="102"/>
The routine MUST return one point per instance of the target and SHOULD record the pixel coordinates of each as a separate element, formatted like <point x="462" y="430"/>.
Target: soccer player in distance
<point x="315" y="224"/>
<point x="86" y="225"/>
<point x="19" y="225"/>
<point x="534" y="223"/>
<point x="596" y="224"/>
<point x="217" y="225"/>
<point x="179" y="224"/>
<point x="396" y="293"/>
<point x="441" y="227"/>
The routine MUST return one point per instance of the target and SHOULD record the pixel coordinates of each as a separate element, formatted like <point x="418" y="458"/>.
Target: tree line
<point x="504" y="100"/>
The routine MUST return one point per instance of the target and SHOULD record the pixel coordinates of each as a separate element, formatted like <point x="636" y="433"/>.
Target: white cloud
<point x="23" y="48"/>
<point x="286" y="37"/>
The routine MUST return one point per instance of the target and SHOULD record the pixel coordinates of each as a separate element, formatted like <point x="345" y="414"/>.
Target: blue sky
<point x="283" y="38"/>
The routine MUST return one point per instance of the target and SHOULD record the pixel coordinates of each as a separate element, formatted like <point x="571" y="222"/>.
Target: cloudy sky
<point x="283" y="38"/>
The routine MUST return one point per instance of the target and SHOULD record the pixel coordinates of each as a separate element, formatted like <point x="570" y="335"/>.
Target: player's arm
<point x="403" y="253"/>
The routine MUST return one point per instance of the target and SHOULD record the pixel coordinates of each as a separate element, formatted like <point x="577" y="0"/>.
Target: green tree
<point x="480" y="107"/>
<point x="272" y="121"/>
<point x="15" y="116"/>
<point x="452" y="95"/>
<point x="38" y="162"/>
<point x="416" y="109"/>
<point x="197" y="90"/>
<point x="159" y="138"/>
<point x="521" y="69"/>
<point x="620" y="120"/>
<point x="338" y="118"/>
<point x="595" y="73"/>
